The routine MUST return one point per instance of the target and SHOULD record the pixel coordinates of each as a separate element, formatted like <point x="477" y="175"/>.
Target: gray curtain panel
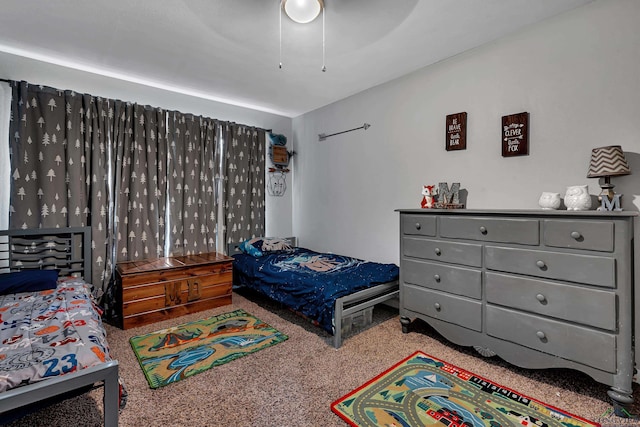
<point x="244" y="182"/>
<point x="57" y="139"/>
<point x="140" y="151"/>
<point x="79" y="160"/>
<point x="194" y="161"/>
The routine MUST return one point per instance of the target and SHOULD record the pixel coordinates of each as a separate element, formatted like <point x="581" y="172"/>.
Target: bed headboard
<point x="232" y="248"/>
<point x="65" y="249"/>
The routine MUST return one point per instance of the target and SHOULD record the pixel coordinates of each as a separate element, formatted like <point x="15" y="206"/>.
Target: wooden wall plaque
<point x="279" y="155"/>
<point x="456" y="131"/>
<point x="515" y="135"/>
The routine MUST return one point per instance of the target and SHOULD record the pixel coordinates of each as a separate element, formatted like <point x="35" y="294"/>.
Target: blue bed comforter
<point x="309" y="282"/>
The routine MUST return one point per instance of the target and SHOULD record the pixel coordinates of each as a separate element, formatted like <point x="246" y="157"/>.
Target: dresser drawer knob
<point x="436" y="277"/>
<point x="541" y="264"/>
<point x="541" y="335"/>
<point x="438" y="251"/>
<point x="483" y="229"/>
<point x="541" y="298"/>
<point x="437" y="306"/>
<point x="418" y="226"/>
<point x="576" y="235"/>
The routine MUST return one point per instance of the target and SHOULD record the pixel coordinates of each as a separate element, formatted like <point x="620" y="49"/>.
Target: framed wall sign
<point x="515" y="135"/>
<point x="456" y="131"/>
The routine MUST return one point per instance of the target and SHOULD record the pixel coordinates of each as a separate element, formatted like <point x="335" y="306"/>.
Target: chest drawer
<point x="587" y="269"/>
<point x="446" y="307"/>
<point x="572" y="342"/>
<point x="172" y="294"/>
<point x="591" y="307"/>
<point x="502" y="230"/>
<point x="456" y="280"/>
<point x="587" y="235"/>
<point x="419" y="225"/>
<point x="129" y="280"/>
<point x="439" y="250"/>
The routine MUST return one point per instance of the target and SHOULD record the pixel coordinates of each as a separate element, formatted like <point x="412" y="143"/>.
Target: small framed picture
<point x="456" y="132"/>
<point x="515" y="135"/>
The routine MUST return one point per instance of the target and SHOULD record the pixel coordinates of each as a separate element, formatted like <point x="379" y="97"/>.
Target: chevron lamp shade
<point x="608" y="161"/>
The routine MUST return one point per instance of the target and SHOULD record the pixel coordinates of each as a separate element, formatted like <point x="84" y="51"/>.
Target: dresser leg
<point x="405" y="322"/>
<point x="622" y="402"/>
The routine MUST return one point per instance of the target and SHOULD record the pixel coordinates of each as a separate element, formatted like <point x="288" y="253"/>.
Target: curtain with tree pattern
<point x="244" y="182"/>
<point x="140" y="152"/>
<point x="57" y="142"/>
<point x="193" y="162"/>
<point x="78" y="160"/>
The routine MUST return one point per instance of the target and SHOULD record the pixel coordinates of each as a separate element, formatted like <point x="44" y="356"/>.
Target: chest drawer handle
<point x="438" y="251"/>
<point x="541" y="335"/>
<point x="541" y="298"/>
<point x="418" y="226"/>
<point x="541" y="264"/>
<point x="576" y="235"/>
<point x="436" y="277"/>
<point x="437" y="306"/>
<point x="483" y="229"/>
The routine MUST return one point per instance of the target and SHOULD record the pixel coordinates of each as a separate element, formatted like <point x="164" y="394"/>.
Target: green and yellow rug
<point x="176" y="353"/>
<point x="424" y="391"/>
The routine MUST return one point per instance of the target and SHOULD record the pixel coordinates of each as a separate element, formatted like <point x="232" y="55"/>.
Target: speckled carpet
<point x="293" y="384"/>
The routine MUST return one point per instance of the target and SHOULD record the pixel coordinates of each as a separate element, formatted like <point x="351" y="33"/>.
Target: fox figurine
<point x="428" y="196"/>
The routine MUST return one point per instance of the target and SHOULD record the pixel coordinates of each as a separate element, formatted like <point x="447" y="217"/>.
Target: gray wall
<point x="278" y="209"/>
<point x="578" y="76"/>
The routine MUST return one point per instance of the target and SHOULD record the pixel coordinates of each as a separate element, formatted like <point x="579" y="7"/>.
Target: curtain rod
<point x="255" y="127"/>
<point x="322" y="136"/>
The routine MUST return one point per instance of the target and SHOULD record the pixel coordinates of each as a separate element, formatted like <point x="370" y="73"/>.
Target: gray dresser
<point x="541" y="289"/>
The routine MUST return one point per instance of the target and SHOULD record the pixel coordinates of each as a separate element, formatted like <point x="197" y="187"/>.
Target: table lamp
<point x="605" y="163"/>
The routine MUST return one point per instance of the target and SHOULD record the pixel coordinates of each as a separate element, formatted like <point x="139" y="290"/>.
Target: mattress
<point x="49" y="333"/>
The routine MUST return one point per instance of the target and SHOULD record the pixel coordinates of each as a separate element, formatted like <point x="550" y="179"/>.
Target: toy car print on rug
<point x="424" y="391"/>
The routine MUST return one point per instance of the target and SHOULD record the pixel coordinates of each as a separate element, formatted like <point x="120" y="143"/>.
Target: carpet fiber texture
<point x="423" y="391"/>
<point x="176" y="353"/>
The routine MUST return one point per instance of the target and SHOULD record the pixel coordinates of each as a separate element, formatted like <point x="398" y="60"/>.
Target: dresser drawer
<point x="439" y="250"/>
<point x="419" y="225"/>
<point x="587" y="346"/>
<point x="502" y="230"/>
<point x="587" y="235"/>
<point x="587" y="269"/>
<point x="443" y="277"/>
<point x="591" y="307"/>
<point x="446" y="307"/>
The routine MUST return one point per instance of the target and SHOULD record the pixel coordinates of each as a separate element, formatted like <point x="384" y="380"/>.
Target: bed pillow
<point x="249" y="248"/>
<point x="270" y="244"/>
<point x="259" y="245"/>
<point x="28" y="281"/>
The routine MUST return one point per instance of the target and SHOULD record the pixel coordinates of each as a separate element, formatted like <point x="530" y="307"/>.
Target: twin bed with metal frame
<point x="67" y="250"/>
<point x="343" y="306"/>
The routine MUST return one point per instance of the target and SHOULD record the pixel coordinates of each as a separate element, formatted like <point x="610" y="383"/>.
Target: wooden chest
<point x="162" y="288"/>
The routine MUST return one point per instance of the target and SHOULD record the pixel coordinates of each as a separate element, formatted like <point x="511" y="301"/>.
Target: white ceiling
<point x="228" y="50"/>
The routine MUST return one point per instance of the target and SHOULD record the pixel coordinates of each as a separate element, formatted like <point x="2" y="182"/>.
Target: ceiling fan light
<point x="302" y="11"/>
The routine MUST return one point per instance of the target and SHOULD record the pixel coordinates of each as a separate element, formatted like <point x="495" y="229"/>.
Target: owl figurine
<point x="549" y="200"/>
<point x="577" y="198"/>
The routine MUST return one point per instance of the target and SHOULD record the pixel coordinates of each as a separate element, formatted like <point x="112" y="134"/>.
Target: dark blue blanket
<point x="309" y="282"/>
